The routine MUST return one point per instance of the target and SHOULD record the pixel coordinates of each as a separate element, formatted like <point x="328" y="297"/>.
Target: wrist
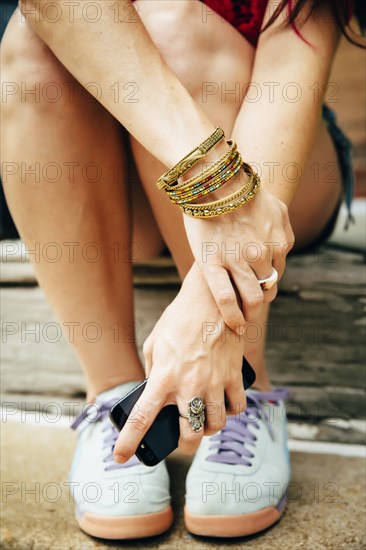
<point x="280" y="192"/>
<point x="200" y="296"/>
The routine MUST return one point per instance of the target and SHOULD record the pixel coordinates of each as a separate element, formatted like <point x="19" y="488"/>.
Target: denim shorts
<point x="343" y="148"/>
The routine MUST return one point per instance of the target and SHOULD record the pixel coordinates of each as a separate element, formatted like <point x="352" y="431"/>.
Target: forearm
<point x="276" y="132"/>
<point x="117" y="53"/>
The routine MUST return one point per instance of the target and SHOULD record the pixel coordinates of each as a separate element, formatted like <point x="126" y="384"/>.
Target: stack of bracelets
<point x="214" y="177"/>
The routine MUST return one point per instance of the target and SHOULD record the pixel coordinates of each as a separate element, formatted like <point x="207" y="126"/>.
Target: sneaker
<point x="238" y="480"/>
<point x="115" y="501"/>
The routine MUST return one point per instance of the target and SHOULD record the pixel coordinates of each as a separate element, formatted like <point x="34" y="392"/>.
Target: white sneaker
<point x="238" y="480"/>
<point x="115" y="501"/>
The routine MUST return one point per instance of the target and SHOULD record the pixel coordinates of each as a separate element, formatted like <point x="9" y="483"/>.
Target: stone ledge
<point x="325" y="512"/>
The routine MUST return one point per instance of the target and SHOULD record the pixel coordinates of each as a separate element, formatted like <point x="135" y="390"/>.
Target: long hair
<point x="342" y="10"/>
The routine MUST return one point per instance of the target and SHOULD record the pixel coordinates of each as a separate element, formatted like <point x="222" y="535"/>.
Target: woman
<point x="95" y="85"/>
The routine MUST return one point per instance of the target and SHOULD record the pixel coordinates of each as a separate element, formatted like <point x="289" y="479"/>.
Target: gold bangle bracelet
<point x="199" y="207"/>
<point x="211" y="170"/>
<point x="228" y="204"/>
<point x="249" y="172"/>
<point x="230" y="171"/>
<point x="189" y="160"/>
<point x="200" y="212"/>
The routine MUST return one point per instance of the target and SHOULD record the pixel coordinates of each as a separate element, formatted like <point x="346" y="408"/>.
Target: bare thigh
<point x="318" y="193"/>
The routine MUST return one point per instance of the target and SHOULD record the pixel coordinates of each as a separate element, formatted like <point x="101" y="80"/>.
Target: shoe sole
<point x="234" y="525"/>
<point x="126" y="527"/>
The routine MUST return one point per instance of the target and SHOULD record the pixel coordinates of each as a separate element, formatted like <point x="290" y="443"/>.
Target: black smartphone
<point x="162" y="437"/>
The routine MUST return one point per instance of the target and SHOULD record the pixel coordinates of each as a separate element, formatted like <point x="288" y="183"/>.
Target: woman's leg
<point x="74" y="207"/>
<point x="207" y="54"/>
<point x="196" y="65"/>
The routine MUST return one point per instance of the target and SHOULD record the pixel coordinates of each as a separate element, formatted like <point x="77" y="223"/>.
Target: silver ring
<point x="196" y="405"/>
<point x="196" y="416"/>
<point x="268" y="283"/>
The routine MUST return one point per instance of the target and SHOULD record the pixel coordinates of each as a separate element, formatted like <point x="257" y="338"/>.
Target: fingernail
<point x="241" y="330"/>
<point x="119" y="458"/>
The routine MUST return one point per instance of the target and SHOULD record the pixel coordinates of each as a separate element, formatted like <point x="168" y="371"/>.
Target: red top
<point x="245" y="15"/>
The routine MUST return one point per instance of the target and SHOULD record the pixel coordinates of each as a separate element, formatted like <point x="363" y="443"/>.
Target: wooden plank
<point x="16" y="269"/>
<point x="42" y="363"/>
<point x="325" y="267"/>
<point x="312" y="348"/>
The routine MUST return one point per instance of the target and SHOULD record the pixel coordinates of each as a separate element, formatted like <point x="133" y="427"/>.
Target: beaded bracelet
<point x="231" y="170"/>
<point x="198" y="184"/>
<point x="215" y="176"/>
<point x="203" y="176"/>
<point x="233" y="201"/>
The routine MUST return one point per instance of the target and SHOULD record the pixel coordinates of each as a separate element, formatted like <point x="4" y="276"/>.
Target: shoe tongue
<point x="117" y="391"/>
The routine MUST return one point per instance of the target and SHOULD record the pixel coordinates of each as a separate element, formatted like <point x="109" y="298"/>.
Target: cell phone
<point x="162" y="437"/>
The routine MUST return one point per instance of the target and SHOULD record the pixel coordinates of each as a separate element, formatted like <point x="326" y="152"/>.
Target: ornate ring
<point x="196" y="405"/>
<point x="268" y="283"/>
<point x="196" y="415"/>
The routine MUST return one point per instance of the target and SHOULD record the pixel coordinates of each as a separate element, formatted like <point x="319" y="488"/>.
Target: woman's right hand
<point x="190" y="352"/>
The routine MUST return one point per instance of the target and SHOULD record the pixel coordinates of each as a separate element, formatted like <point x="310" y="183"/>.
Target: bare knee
<point x="199" y="47"/>
<point x="24" y="59"/>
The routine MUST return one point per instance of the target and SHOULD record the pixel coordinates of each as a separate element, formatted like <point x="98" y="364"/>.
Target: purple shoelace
<point x="98" y="412"/>
<point x="236" y="441"/>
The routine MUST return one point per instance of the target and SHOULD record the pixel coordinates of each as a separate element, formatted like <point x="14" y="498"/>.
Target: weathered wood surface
<point x="316" y="339"/>
<point x="327" y="265"/>
<point x="16" y="269"/>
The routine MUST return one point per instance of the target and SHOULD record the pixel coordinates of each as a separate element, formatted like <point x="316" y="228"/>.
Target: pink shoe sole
<point x="232" y="526"/>
<point x="126" y="527"/>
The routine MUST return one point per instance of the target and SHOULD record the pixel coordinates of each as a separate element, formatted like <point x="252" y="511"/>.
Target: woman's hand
<point x="190" y="353"/>
<point x="241" y="247"/>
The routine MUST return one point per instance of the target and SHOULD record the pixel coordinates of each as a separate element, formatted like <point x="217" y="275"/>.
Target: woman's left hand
<point x="189" y="353"/>
<point x="239" y="248"/>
